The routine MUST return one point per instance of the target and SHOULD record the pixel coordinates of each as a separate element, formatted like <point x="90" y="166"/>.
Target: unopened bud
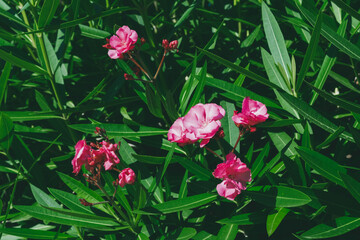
<point x="165" y="43"/>
<point x="220" y="133"/>
<point x="128" y="77"/>
<point x="143" y="41"/>
<point x="173" y="45"/>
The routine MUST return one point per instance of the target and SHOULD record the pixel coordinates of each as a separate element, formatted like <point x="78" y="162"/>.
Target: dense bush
<point x="58" y="85"/>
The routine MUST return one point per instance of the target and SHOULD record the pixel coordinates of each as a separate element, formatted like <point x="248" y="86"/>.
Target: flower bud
<point x="127" y="176"/>
<point x="165" y="43"/>
<point x="173" y="45"/>
<point x="143" y="41"/>
<point x="128" y="77"/>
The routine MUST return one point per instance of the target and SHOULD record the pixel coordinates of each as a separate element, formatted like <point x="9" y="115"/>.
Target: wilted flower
<point x="122" y="42"/>
<point x="252" y="113"/>
<point x="127" y="176"/>
<point x="235" y="174"/>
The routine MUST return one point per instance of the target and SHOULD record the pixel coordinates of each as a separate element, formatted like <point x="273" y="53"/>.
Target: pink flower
<point x="122" y="42"/>
<point x="252" y="113"/>
<point x="201" y="122"/>
<point x="127" y="176"/>
<point x="110" y="155"/>
<point x="204" y="121"/>
<point x="228" y="189"/>
<point x="235" y="173"/>
<point x="178" y="133"/>
<point x="82" y="155"/>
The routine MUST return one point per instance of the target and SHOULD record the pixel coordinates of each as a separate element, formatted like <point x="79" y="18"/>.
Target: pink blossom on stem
<point x="173" y="45"/>
<point x="127" y="176"/>
<point x="204" y="121"/>
<point x="82" y="155"/>
<point x="252" y="113"/>
<point x="122" y="42"/>
<point x="235" y="174"/>
<point x="201" y="122"/>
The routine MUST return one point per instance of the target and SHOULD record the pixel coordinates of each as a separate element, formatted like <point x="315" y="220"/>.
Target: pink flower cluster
<point x="252" y="113"/>
<point x="127" y="176"/>
<point x="122" y="42"/>
<point x="90" y="157"/>
<point x="201" y="122"/>
<point x="235" y="175"/>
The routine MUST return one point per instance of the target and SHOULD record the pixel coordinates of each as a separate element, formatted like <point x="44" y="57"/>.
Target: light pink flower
<point x="82" y="155"/>
<point x="122" y="42"/>
<point x="252" y="113"/>
<point x="236" y="171"/>
<point x="204" y="121"/>
<point x="178" y="133"/>
<point x="228" y="189"/>
<point x="127" y="176"/>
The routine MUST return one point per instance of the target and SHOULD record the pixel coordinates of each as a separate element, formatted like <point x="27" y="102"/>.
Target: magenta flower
<point x="110" y="155"/>
<point x="235" y="174"/>
<point x="82" y="155"/>
<point x="252" y="113"/>
<point x="122" y="42"/>
<point x="127" y="176"/>
<point x="201" y="122"/>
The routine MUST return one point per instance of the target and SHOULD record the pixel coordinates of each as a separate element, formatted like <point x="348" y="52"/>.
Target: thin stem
<point x="161" y="63"/>
<point x="26" y="21"/>
<point x="237" y="141"/>
<point x="138" y="65"/>
<point x="217" y="155"/>
<point x="221" y="147"/>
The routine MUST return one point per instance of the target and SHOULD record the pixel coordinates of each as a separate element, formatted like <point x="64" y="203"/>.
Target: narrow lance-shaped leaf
<point x="21" y="63"/>
<point x="47" y="12"/>
<point x="3" y="80"/>
<point x="310" y="52"/>
<point x="274" y="219"/>
<point x="275" y="40"/>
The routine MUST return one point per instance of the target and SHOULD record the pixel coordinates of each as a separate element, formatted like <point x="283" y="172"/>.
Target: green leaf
<point x="21" y="63"/>
<point x="230" y="129"/>
<point x="331" y="138"/>
<point x="236" y="93"/>
<point x="4" y="79"/>
<point x="178" y="204"/>
<point x="93" y="33"/>
<point x="151" y="159"/>
<point x="47" y="12"/>
<point x="69" y="200"/>
<point x="274" y="219"/>
<point x="310" y="52"/>
<point x="281" y="140"/>
<point x="120" y="130"/>
<point x="153" y="102"/>
<point x="279" y="123"/>
<point x="327" y="167"/>
<point x="30" y="115"/>
<point x="245" y="219"/>
<point x="312" y="115"/>
<point x="343" y="81"/>
<point x="278" y="196"/>
<point x="42" y="198"/>
<point x="239" y="69"/>
<point x="347" y="9"/>
<point x="273" y="72"/>
<point x="82" y="191"/>
<point x="34" y="234"/>
<point x="350" y="106"/>
<point x="275" y="40"/>
<point x="188" y="88"/>
<point x="6" y="128"/>
<point x="68" y="217"/>
<point x="194" y="168"/>
<point x="351" y="185"/>
<point x="186" y="233"/>
<point x="13" y="18"/>
<point x="259" y="161"/>
<point x="199" y="88"/>
<point x="342" y="225"/>
<point x="341" y="43"/>
<point x="228" y="232"/>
